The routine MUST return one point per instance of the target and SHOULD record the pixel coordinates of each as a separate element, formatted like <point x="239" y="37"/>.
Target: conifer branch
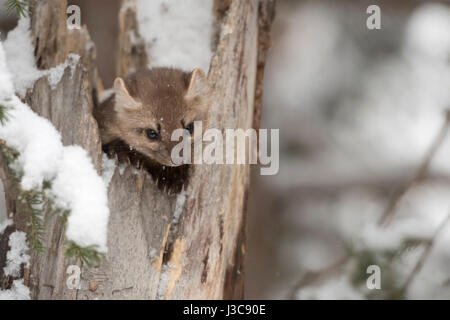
<point x="88" y="255"/>
<point x="38" y="204"/>
<point x="35" y="203"/>
<point x="3" y="114"/>
<point x="21" y="7"/>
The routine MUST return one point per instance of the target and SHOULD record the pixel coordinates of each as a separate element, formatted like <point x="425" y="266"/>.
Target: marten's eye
<point x="190" y="128"/>
<point x="152" y="134"/>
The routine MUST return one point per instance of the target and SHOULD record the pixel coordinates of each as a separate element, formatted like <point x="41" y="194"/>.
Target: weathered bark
<point x="132" y="51"/>
<point x="190" y="245"/>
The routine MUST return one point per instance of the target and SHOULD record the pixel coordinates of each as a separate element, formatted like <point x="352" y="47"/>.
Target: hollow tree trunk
<point x="160" y="246"/>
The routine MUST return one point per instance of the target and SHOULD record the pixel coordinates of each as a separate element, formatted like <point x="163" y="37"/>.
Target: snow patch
<point x="21" y="61"/>
<point x="17" y="255"/>
<point x="75" y="184"/>
<point x="35" y="138"/>
<point x="78" y="188"/>
<point x="177" y="33"/>
<point x="20" y="57"/>
<point x="18" y="292"/>
<point x="55" y="74"/>
<point x="6" y="86"/>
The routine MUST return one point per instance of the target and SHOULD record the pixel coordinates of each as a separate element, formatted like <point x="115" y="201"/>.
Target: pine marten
<point x="137" y="121"/>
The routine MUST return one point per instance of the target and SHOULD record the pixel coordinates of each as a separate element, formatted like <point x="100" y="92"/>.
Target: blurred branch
<point x="419" y="174"/>
<point x="387" y="217"/>
<point x="421" y="262"/>
<point x="315" y="277"/>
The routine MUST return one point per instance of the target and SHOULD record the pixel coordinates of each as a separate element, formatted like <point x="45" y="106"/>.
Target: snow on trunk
<point x="76" y="186"/>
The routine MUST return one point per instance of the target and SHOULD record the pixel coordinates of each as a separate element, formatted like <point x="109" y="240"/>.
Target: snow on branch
<point x="18" y="292"/>
<point x="21" y="62"/>
<point x="73" y="183"/>
<point x="177" y="33"/>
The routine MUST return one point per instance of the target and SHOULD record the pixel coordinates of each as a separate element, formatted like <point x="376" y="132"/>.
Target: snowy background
<point x="358" y="111"/>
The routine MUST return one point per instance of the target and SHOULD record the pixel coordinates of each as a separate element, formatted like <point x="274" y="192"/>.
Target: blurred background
<point x="359" y="111"/>
<point x="364" y="173"/>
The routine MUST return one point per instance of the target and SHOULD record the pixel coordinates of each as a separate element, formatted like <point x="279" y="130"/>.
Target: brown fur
<point x="161" y="99"/>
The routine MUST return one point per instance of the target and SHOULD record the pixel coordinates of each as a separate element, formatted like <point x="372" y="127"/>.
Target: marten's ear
<point x="123" y="100"/>
<point x="198" y="84"/>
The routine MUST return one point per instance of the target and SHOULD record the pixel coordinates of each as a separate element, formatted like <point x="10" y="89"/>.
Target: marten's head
<point x="151" y="104"/>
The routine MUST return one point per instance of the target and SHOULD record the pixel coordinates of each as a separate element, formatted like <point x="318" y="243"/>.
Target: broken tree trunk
<point x="185" y="246"/>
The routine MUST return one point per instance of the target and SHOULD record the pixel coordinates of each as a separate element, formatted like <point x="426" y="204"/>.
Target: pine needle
<point x="21" y="7"/>
<point x="38" y="205"/>
<point x="3" y="114"/>
<point x="88" y="255"/>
